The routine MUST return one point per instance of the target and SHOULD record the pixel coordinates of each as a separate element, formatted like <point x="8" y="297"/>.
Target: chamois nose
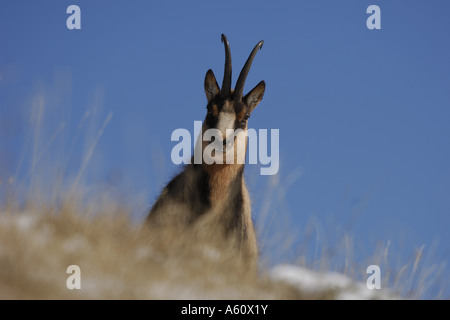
<point x="222" y="144"/>
<point x="224" y="140"/>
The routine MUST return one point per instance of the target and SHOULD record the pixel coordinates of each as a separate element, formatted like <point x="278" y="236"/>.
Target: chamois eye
<point x="244" y="119"/>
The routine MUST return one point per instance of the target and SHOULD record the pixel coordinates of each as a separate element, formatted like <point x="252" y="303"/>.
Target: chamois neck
<point x="222" y="180"/>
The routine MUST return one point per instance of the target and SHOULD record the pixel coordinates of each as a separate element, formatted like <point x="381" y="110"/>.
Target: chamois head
<point x="228" y="110"/>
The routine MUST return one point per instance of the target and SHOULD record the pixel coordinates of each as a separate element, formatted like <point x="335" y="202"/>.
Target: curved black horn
<point x="239" y="90"/>
<point x="226" y="84"/>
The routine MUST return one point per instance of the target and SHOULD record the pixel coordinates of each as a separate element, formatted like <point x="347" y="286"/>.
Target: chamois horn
<point x="226" y="84"/>
<point x="239" y="90"/>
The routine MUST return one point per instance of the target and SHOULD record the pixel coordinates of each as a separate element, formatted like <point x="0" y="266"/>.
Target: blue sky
<point x="363" y="114"/>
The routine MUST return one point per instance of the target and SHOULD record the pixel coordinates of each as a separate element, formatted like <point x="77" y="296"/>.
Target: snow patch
<point x="25" y="222"/>
<point x="330" y="285"/>
<point x="22" y="221"/>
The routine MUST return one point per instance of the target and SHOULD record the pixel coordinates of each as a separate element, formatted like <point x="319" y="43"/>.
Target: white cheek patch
<point x="229" y="145"/>
<point x="226" y="121"/>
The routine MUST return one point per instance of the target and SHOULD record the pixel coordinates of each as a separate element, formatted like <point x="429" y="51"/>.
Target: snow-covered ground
<point x="327" y="285"/>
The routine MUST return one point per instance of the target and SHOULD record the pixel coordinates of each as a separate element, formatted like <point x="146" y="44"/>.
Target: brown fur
<point x="220" y="177"/>
<point x="213" y="199"/>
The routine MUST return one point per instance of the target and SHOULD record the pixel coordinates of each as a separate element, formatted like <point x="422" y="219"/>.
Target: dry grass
<point x="121" y="259"/>
<point x="329" y="246"/>
<point x="118" y="260"/>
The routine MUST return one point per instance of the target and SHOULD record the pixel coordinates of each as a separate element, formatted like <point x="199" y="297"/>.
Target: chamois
<point x="215" y="195"/>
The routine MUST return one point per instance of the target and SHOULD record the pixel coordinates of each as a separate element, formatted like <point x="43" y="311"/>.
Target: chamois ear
<point x="211" y="87"/>
<point x="254" y="97"/>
